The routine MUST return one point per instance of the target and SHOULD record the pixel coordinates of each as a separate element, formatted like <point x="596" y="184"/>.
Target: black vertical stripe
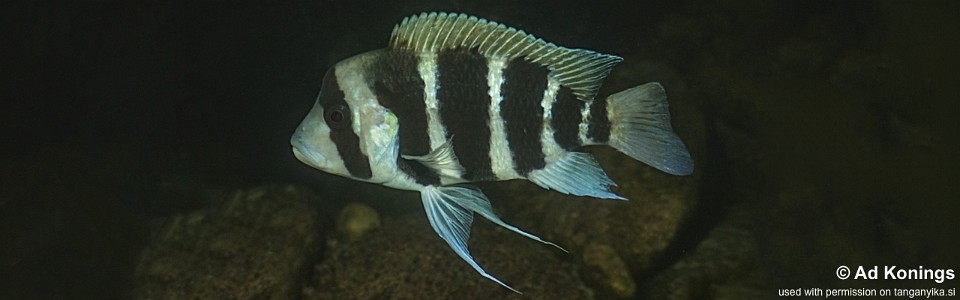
<point x="347" y="141"/>
<point x="565" y="119"/>
<point x="420" y="173"/>
<point x="399" y="87"/>
<point x="523" y="87"/>
<point x="463" y="101"/>
<point x="599" y="130"/>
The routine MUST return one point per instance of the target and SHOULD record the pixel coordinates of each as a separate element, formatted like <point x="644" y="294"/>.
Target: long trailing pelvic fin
<point x="450" y="211"/>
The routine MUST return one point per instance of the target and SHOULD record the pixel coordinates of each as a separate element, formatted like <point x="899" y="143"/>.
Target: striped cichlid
<point x="456" y="99"/>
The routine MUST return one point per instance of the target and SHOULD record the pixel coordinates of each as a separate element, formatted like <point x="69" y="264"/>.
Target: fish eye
<point x="337" y="115"/>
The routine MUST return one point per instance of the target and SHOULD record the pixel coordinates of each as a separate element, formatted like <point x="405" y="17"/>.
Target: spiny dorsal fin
<point x="580" y="70"/>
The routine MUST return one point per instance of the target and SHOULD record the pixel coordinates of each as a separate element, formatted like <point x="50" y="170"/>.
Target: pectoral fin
<point x="441" y="161"/>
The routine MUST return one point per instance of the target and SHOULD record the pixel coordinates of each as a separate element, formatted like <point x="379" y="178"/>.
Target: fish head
<point x="347" y="132"/>
<point x="312" y="142"/>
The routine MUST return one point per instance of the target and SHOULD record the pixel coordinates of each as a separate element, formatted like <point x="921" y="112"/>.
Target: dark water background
<point x="115" y="113"/>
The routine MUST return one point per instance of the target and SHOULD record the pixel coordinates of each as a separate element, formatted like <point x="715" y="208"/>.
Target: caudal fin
<point x="640" y="127"/>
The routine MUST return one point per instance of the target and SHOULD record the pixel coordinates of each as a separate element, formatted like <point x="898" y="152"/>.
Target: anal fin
<point x="576" y="173"/>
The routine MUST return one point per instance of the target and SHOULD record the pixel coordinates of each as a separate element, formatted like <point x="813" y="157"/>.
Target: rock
<point x="355" y="220"/>
<point x="255" y="243"/>
<point x="722" y="266"/>
<point x="406" y="259"/>
<point x="604" y="270"/>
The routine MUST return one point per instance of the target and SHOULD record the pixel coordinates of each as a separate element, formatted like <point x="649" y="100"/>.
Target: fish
<point x="456" y="99"/>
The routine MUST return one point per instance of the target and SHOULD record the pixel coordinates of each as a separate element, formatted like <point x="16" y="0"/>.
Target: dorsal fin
<point x="580" y="70"/>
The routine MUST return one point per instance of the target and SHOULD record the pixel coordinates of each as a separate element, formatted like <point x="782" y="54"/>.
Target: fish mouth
<point x="304" y="154"/>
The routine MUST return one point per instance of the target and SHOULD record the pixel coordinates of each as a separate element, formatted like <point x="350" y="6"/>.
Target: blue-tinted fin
<point x="640" y="127"/>
<point x="473" y="199"/>
<point x="576" y="173"/>
<point x="580" y="70"/>
<point x="450" y="211"/>
<point x="442" y="160"/>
